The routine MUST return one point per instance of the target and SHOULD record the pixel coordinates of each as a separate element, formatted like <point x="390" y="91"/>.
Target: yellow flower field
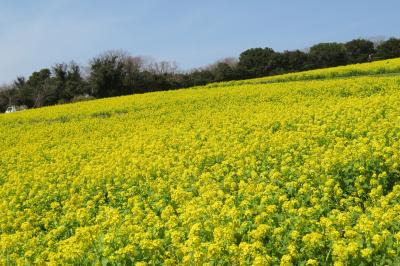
<point x="288" y="173"/>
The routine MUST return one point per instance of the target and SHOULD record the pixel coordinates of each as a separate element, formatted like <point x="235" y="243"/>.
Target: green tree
<point x="68" y="80"/>
<point x="224" y="69"/>
<point x="59" y="72"/>
<point x="290" y="61"/>
<point x="223" y="72"/>
<point x="359" y="50"/>
<point x="200" y="77"/>
<point x="257" y="62"/>
<point x="8" y="96"/>
<point x="388" y="49"/>
<point x="107" y="74"/>
<point x="328" y="55"/>
<point x="39" y="88"/>
<point x="76" y="85"/>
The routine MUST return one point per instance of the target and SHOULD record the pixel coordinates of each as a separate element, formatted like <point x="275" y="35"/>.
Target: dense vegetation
<point x="116" y="73"/>
<point x="253" y="172"/>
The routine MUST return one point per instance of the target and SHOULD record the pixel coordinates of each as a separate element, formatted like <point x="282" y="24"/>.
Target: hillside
<point x="296" y="169"/>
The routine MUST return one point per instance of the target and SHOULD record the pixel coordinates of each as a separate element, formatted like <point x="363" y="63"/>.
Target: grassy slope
<point x="250" y="172"/>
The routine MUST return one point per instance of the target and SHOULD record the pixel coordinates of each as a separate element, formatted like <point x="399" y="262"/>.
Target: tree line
<point x="116" y="73"/>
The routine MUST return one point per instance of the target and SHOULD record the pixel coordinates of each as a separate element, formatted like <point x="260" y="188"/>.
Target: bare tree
<point x="134" y="63"/>
<point x="229" y="61"/>
<point x="10" y="93"/>
<point x="162" y="67"/>
<point x="41" y="92"/>
<point x="377" y="40"/>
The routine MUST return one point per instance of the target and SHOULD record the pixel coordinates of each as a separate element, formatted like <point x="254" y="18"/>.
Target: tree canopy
<point x="115" y="73"/>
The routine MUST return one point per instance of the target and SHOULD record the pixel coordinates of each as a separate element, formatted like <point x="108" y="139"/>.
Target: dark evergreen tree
<point x="359" y="51"/>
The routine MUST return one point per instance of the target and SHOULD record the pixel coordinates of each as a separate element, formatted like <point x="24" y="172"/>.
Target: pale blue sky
<point x="36" y="34"/>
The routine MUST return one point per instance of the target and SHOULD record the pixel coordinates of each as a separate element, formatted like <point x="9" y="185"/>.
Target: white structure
<point x="13" y="108"/>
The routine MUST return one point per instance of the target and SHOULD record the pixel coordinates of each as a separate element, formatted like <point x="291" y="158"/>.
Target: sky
<point x="40" y="33"/>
